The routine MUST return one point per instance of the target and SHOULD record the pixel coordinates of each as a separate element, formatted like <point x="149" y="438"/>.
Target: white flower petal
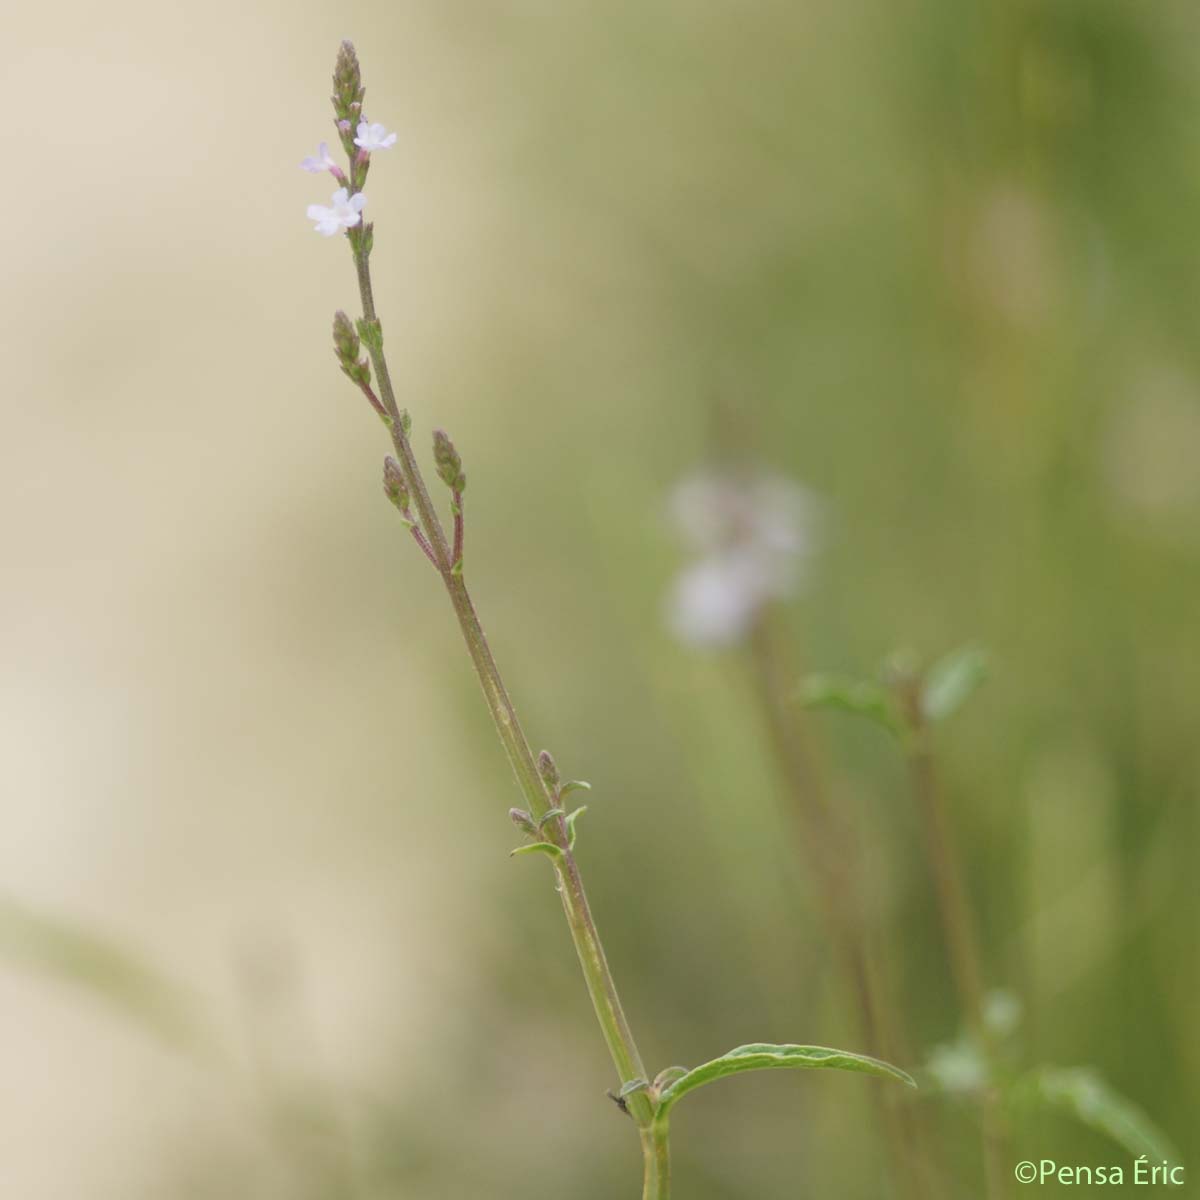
<point x="339" y="197"/>
<point x="714" y="603"/>
<point x="358" y="201"/>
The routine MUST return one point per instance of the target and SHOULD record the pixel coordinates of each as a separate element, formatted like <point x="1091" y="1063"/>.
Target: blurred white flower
<point x="957" y="1067"/>
<point x="343" y="214"/>
<point x="754" y="537"/>
<point x="373" y="137"/>
<point x="321" y="161"/>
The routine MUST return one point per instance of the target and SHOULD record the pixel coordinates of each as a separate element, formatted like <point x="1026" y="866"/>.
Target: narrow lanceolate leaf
<point x="863" y="699"/>
<point x="951" y="681"/>
<point x="762" y="1056"/>
<point x="1085" y="1096"/>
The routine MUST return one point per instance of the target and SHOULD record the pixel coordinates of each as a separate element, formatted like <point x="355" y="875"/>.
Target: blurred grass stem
<point x="832" y="859"/>
<point x="958" y="925"/>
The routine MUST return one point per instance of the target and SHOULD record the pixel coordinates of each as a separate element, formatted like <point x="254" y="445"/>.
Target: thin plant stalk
<point x="958" y="925"/>
<point x="602" y="989"/>
<point x="830" y="856"/>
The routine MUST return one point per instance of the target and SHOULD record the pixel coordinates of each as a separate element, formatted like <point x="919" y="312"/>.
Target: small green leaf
<point x="862" y="698"/>
<point x="554" y="812"/>
<point x="761" y="1056"/>
<point x="951" y="680"/>
<point x="634" y="1085"/>
<point x="574" y="785"/>
<point x="538" y="848"/>
<point x="571" y="819"/>
<point x="1084" y="1095"/>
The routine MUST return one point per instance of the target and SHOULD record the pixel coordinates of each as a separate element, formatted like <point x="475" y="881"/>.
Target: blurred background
<point x="259" y="931"/>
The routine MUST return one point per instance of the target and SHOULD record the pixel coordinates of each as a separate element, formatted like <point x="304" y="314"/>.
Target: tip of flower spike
<point x="347" y="83"/>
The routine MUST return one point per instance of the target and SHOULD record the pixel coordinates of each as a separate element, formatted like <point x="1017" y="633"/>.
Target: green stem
<point x="603" y="991"/>
<point x="656" y="1152"/>
<point x="959" y="928"/>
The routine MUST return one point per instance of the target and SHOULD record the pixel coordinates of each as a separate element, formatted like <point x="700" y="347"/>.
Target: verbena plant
<point x="548" y="826"/>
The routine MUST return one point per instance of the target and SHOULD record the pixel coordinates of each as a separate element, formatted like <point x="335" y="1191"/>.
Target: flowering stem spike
<point x="542" y="816"/>
<point x="427" y="528"/>
<point x="348" y="92"/>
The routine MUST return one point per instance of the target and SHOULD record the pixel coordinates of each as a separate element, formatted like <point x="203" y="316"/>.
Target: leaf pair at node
<point x="933" y="695"/>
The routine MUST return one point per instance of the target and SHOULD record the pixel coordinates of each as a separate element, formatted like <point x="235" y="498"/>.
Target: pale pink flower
<point x="373" y="137"/>
<point x="321" y="161"/>
<point x="343" y="212"/>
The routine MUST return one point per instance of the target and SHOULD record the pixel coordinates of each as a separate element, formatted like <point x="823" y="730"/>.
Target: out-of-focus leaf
<point x="1001" y="1013"/>
<point x="951" y="680"/>
<point x="1081" y="1092"/>
<point x="100" y="966"/>
<point x="863" y="698"/>
<point x="760" y="1056"/>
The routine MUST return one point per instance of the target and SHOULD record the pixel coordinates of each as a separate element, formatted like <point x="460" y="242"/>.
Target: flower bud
<point x="522" y="820"/>
<point x="548" y="769"/>
<point x="394" y="487"/>
<point x="449" y="465"/>
<point x="346" y="347"/>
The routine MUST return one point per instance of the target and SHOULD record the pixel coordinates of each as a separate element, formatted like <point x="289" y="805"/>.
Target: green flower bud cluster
<point x="346" y="345"/>
<point x="449" y="465"/>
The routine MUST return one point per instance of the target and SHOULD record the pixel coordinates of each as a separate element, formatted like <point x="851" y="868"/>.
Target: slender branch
<point x="458" y="529"/>
<point x="601" y="988"/>
<point x="957" y="923"/>
<point x="827" y="847"/>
